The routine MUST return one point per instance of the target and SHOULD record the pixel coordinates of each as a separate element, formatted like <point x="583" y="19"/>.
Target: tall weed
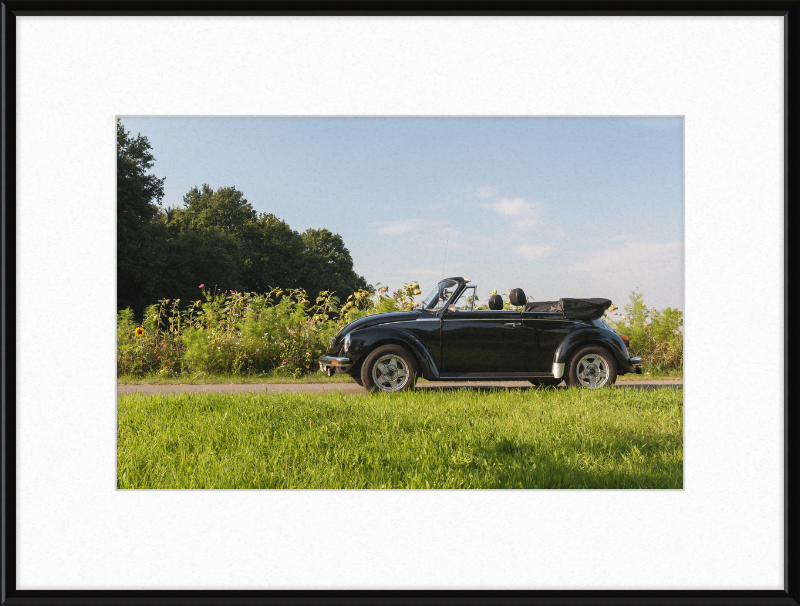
<point x="654" y="334"/>
<point x="234" y="332"/>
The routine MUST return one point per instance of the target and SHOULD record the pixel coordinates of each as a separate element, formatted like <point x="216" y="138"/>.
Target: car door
<point x="482" y="341"/>
<point x="543" y="332"/>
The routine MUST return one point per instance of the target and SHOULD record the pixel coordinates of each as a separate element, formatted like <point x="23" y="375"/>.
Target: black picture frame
<point x="10" y="595"/>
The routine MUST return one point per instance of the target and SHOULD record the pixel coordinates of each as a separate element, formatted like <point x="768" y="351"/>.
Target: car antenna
<point x="445" y="257"/>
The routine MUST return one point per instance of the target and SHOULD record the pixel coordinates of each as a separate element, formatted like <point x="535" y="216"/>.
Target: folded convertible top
<point x="574" y="309"/>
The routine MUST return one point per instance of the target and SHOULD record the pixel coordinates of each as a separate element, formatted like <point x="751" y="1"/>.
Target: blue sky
<point x="560" y="207"/>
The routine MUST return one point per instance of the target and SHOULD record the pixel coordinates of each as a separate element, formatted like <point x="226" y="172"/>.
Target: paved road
<point x="352" y="388"/>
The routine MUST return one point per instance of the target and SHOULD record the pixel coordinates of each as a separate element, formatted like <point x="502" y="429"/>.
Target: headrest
<point x="517" y="297"/>
<point x="495" y="302"/>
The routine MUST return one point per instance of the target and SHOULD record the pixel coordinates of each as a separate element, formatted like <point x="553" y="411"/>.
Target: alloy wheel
<point x="592" y="371"/>
<point x="390" y="373"/>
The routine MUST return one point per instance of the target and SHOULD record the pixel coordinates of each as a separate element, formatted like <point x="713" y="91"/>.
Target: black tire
<point x="399" y="371"/>
<point x="592" y="367"/>
<point x="544" y="382"/>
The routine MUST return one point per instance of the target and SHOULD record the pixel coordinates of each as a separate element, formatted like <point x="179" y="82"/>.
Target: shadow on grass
<point x="526" y="467"/>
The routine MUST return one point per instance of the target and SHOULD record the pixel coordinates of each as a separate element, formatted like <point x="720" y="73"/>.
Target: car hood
<point x="373" y="320"/>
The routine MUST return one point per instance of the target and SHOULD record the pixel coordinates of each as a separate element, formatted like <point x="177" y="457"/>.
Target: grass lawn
<point x="566" y="438"/>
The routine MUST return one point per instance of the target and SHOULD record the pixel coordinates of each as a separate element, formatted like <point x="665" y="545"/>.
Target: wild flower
<point x="139" y="331"/>
<point x="201" y="286"/>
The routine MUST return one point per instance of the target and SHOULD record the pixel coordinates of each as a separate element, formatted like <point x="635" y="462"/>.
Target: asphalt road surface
<point x="352" y="388"/>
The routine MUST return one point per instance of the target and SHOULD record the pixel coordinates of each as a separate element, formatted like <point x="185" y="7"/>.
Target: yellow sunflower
<point x="139" y="331"/>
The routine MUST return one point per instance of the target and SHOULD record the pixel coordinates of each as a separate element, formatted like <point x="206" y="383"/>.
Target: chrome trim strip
<point x="507" y="318"/>
<point x="558" y="370"/>
<point x="635" y="361"/>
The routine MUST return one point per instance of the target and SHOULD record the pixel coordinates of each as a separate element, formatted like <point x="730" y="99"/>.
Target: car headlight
<point x="346" y="342"/>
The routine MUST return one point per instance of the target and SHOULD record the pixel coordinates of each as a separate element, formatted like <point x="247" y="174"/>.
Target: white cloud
<point x="397" y="228"/>
<point x="534" y="251"/>
<point x="525" y="214"/>
<point x="511" y="207"/>
<point x="632" y="258"/>
<point x="653" y="268"/>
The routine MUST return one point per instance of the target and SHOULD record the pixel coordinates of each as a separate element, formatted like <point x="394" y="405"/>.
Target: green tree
<point x="270" y="253"/>
<point x="140" y="238"/>
<point x="201" y="256"/>
<point x="225" y="208"/>
<point x="329" y="264"/>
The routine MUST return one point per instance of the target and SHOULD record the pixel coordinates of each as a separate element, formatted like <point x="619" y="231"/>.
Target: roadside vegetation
<point x="655" y="335"/>
<point x="229" y="336"/>
<point x="534" y="438"/>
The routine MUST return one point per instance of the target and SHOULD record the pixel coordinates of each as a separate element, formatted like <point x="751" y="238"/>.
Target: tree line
<point x="216" y="239"/>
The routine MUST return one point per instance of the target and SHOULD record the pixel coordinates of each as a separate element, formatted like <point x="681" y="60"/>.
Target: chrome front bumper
<point x="636" y="362"/>
<point x="330" y="363"/>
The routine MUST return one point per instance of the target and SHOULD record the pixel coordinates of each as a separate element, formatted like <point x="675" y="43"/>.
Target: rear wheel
<point x="592" y="367"/>
<point x="389" y="369"/>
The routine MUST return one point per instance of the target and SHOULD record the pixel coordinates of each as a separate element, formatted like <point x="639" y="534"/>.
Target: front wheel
<point x="592" y="367"/>
<point x="389" y="369"/>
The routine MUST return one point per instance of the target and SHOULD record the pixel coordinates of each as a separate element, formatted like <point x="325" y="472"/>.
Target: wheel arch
<point x="426" y="367"/>
<point x="588" y="337"/>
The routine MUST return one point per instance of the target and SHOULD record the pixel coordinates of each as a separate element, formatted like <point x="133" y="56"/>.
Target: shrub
<point x="233" y="332"/>
<point x="654" y="334"/>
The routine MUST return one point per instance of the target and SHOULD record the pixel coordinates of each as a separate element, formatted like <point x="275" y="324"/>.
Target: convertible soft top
<point x="574" y="309"/>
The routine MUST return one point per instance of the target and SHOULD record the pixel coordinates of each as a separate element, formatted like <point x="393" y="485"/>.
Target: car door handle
<point x="512" y="324"/>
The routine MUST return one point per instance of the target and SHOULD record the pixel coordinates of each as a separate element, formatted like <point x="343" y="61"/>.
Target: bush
<point x="654" y="334"/>
<point x="233" y="332"/>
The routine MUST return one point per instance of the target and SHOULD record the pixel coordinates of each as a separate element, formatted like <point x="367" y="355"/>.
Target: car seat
<point x="517" y="297"/>
<point x="495" y="302"/>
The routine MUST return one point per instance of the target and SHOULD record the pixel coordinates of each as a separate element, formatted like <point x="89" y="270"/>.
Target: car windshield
<point x="439" y="296"/>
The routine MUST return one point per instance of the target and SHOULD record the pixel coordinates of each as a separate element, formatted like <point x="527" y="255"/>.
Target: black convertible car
<point x="446" y="338"/>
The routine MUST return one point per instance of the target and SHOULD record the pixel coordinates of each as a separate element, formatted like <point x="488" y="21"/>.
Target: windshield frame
<point x="440" y="307"/>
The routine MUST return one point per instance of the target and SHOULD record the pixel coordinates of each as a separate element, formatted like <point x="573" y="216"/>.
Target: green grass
<point x="654" y="375"/>
<point x="453" y="438"/>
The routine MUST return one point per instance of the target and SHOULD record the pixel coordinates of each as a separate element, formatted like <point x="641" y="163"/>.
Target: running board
<point x="494" y="376"/>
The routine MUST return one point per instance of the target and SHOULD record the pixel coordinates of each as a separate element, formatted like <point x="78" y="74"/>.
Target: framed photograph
<point x="712" y="82"/>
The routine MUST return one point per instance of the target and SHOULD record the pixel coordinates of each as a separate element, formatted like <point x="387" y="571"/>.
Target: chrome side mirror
<point x="451" y="308"/>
